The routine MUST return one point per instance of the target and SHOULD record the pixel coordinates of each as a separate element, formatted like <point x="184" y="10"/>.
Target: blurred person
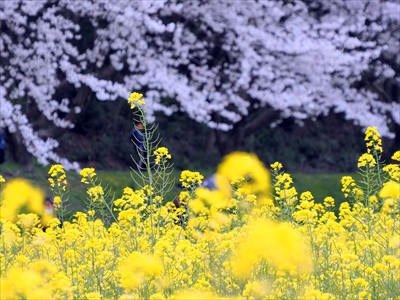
<point x="2" y="146"/>
<point x="49" y="213"/>
<point x="137" y="137"/>
<point x="48" y="205"/>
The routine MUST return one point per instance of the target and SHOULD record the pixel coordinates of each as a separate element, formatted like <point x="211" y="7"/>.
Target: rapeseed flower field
<point x="249" y="236"/>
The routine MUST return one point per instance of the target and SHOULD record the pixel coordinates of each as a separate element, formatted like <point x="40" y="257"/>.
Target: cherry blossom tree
<point x="232" y="65"/>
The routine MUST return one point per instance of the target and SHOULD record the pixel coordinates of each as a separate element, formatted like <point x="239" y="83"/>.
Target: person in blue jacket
<point x="137" y="136"/>
<point x="2" y="146"/>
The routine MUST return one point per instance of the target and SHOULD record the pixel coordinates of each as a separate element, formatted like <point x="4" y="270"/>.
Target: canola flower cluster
<point x="136" y="100"/>
<point x="251" y="237"/>
<point x="161" y="154"/>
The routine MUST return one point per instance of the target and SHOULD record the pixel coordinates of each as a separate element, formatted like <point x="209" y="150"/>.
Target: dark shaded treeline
<point x="101" y="139"/>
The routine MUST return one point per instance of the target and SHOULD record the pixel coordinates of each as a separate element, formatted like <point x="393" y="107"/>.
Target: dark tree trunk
<point x="19" y="153"/>
<point x="233" y="139"/>
<point x="261" y="118"/>
<point x="210" y="141"/>
<point x="222" y="139"/>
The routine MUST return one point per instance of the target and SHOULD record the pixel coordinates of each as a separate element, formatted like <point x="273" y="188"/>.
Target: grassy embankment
<point x="320" y="185"/>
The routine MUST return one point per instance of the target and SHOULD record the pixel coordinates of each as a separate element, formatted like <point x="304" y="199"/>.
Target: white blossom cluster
<point x="214" y="58"/>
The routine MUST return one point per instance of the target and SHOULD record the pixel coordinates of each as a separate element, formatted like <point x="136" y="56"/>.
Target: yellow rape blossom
<point x="212" y="197"/>
<point x="276" y="166"/>
<point x="190" y="179"/>
<point x="283" y="180"/>
<point x="27" y="221"/>
<point x="56" y="169"/>
<point x="22" y="283"/>
<point x="329" y="202"/>
<point x="373" y="201"/>
<point x="135" y="99"/>
<point x="289" y="195"/>
<point x="197" y="206"/>
<point x="393" y="171"/>
<point x="93" y="296"/>
<point x="57" y="202"/>
<point x="128" y="297"/>
<point x="241" y="164"/>
<point x="374" y="142"/>
<point x="157" y="296"/>
<point x="136" y="199"/>
<point x="223" y="185"/>
<point x="394" y="241"/>
<point x="317" y="295"/>
<point x="396" y="156"/>
<point x="350" y="188"/>
<point x="58" y="176"/>
<point x="160" y="154"/>
<point x="96" y="193"/>
<point x="20" y="196"/>
<point x="87" y="174"/>
<point x="257" y="290"/>
<point x="366" y="160"/>
<point x="390" y="189"/>
<point x="262" y="238"/>
<point x="192" y="295"/>
<point x="137" y="268"/>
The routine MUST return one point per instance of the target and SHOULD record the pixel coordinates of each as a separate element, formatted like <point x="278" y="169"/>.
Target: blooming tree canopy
<point x="217" y="61"/>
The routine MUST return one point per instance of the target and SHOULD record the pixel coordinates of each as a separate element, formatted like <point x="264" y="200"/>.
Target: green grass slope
<point x="320" y="185"/>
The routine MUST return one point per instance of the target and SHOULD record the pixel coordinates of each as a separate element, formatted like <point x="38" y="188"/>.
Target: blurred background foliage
<point x="101" y="139"/>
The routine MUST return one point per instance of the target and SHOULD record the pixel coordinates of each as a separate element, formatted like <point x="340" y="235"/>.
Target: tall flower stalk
<point x="157" y="170"/>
